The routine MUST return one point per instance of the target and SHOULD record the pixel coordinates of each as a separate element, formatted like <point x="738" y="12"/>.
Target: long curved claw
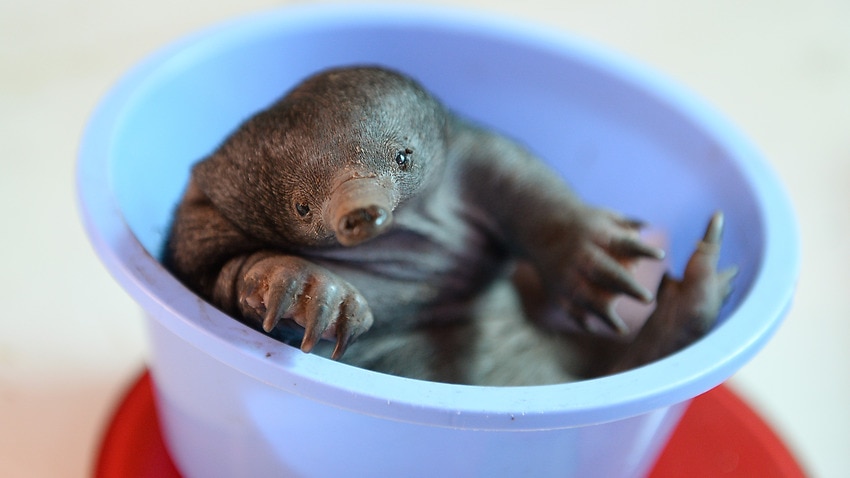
<point x="714" y="230"/>
<point x="616" y="278"/>
<point x="284" y="296"/>
<point x="607" y="312"/>
<point x="634" y="247"/>
<point x="703" y="261"/>
<point x="613" y="320"/>
<point x="341" y="346"/>
<point x="348" y="329"/>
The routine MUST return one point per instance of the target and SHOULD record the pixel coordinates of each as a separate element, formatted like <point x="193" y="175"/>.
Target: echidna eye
<point x="302" y="208"/>
<point x="402" y="158"/>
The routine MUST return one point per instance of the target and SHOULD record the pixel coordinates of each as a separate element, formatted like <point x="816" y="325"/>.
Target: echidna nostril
<point x="362" y="223"/>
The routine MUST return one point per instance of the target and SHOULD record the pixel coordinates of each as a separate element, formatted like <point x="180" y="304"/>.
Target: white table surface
<point x="71" y="340"/>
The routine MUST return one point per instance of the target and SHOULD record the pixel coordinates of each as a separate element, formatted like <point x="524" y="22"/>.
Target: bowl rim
<point x="661" y="384"/>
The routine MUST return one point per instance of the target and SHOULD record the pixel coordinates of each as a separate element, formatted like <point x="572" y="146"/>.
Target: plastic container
<point x="235" y="403"/>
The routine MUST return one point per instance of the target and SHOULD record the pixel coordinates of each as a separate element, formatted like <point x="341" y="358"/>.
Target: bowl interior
<point x="621" y="136"/>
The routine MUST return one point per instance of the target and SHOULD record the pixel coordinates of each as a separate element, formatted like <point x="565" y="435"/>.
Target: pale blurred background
<point x="71" y="341"/>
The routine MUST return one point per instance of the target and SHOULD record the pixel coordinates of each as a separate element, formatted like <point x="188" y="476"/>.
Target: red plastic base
<point x="719" y="435"/>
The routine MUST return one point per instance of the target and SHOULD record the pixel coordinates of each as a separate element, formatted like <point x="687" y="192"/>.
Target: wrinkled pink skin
<point x="358" y="208"/>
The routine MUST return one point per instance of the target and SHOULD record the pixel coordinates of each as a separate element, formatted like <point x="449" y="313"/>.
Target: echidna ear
<point x="239" y="186"/>
<point x="220" y="180"/>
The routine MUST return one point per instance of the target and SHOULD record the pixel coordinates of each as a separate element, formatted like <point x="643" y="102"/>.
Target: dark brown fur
<point x="357" y="207"/>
